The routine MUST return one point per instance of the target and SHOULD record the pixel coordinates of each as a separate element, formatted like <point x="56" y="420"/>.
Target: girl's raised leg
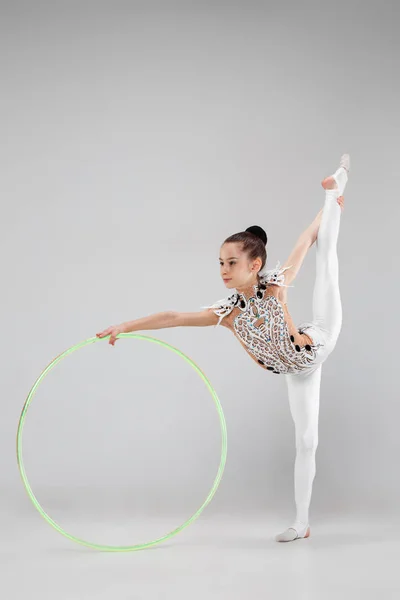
<point x="304" y="388"/>
<point x="327" y="306"/>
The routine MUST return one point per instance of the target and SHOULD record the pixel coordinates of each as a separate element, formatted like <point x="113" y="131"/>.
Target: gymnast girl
<point x="258" y="316"/>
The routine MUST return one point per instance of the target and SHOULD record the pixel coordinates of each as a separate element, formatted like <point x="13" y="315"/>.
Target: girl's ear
<point x="257" y="264"/>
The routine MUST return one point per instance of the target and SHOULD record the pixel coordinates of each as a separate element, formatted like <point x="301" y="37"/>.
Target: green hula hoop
<point x="175" y="531"/>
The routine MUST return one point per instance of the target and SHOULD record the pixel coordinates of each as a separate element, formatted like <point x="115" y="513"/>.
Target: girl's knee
<point x="307" y="443"/>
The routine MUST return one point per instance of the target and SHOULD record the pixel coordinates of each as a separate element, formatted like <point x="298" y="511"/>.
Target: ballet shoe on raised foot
<point x="338" y="180"/>
<point x="292" y="533"/>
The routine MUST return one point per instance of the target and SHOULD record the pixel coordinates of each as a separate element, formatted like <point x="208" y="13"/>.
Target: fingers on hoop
<point x="105" y="332"/>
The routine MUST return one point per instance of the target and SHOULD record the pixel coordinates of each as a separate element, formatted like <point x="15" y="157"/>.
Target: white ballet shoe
<point x="345" y="162"/>
<point x="295" y="532"/>
<point x="340" y="176"/>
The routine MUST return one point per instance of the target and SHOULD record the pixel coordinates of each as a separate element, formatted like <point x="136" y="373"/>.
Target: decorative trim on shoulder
<point x="275" y="276"/>
<point x="224" y="307"/>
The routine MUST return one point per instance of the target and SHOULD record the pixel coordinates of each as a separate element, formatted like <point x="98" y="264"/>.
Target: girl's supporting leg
<point x="304" y="393"/>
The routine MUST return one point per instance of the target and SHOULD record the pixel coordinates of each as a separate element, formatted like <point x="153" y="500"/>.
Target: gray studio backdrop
<point x="135" y="138"/>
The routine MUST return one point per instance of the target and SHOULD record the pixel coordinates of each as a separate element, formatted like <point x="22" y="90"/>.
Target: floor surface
<point x="216" y="557"/>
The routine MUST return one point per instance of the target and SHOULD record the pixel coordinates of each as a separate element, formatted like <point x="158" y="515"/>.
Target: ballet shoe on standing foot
<point x="295" y="532"/>
<point x="338" y="180"/>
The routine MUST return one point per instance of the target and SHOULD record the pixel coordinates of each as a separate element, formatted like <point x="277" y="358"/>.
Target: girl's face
<point x="236" y="269"/>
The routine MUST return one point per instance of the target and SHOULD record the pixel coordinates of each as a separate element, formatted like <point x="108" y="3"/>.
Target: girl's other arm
<point x="302" y="246"/>
<point x="162" y="320"/>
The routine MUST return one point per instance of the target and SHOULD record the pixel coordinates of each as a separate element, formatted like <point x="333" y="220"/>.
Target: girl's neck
<point x="248" y="289"/>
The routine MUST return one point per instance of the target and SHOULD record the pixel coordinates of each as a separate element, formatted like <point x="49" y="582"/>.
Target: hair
<point x="254" y="241"/>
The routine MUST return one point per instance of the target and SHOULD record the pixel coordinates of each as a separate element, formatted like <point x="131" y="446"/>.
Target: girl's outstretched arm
<point x="162" y="320"/>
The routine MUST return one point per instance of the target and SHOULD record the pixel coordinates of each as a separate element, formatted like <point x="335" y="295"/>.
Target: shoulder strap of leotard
<point x="275" y="276"/>
<point x="223" y="307"/>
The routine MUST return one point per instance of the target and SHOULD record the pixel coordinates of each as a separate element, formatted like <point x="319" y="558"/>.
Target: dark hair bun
<point x="259" y="232"/>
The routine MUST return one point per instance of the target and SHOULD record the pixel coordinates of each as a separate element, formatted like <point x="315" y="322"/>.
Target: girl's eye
<point x="231" y="262"/>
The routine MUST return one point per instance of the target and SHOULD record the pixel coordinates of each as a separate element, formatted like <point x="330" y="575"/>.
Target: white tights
<point x="304" y="387"/>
